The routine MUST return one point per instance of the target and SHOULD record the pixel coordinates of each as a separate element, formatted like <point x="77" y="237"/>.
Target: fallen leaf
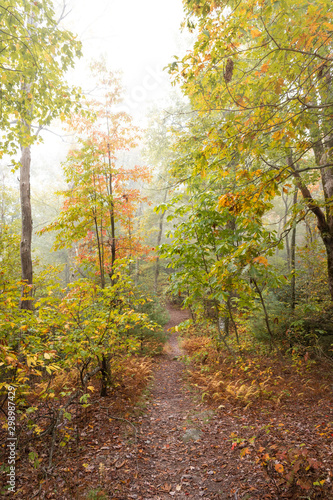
<point x="119" y="465"/>
<point x="279" y="468"/>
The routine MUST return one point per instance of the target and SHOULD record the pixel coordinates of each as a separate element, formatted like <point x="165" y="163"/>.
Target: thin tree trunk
<point x="26" y="235"/>
<point x="105" y="369"/>
<point x="293" y="259"/>
<point x="277" y="250"/>
<point x="221" y="338"/>
<point x="259" y="292"/>
<point x="2" y="202"/>
<point x="308" y="231"/>
<point x="324" y="223"/>
<point x="25" y="196"/>
<point x="101" y="266"/>
<point x="137" y="268"/>
<point x="130" y="267"/>
<point x="232" y="318"/>
<point x="112" y="223"/>
<point x="285" y="201"/>
<point x="159" y="239"/>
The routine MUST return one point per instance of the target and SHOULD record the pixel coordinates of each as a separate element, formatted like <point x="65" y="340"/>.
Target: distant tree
<point x="102" y="195"/>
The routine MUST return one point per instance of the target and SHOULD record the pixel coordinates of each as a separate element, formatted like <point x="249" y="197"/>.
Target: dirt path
<point x="179" y="440"/>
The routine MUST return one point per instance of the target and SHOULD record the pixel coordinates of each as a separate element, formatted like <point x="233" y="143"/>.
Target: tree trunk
<point x="285" y="220"/>
<point x="293" y="259"/>
<point x="268" y="326"/>
<point x="105" y="370"/>
<point x="112" y="224"/>
<point x="26" y="235"/>
<point x="159" y="239"/>
<point x="324" y="222"/>
<point x="137" y="270"/>
<point x="322" y="137"/>
<point x="100" y="252"/>
<point x="229" y="303"/>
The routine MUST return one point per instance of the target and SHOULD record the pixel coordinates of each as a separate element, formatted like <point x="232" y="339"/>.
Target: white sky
<point x="138" y="37"/>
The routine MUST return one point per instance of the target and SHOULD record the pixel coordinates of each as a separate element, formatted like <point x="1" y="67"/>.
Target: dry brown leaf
<point x="121" y="464"/>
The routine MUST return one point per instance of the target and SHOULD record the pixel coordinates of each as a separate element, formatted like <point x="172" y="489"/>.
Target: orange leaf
<point x="255" y="32"/>
<point x="279" y="468"/>
<point x="245" y="451"/>
<point x="261" y="260"/>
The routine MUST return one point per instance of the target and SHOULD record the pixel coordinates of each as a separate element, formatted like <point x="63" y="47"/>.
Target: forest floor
<point x="175" y="445"/>
<point x="181" y="447"/>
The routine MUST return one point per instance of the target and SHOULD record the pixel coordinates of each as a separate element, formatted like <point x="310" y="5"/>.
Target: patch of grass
<point x="196" y="416"/>
<point x="97" y="494"/>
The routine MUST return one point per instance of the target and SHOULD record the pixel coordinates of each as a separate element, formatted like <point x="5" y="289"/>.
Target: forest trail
<point x="179" y="444"/>
<point x="171" y="444"/>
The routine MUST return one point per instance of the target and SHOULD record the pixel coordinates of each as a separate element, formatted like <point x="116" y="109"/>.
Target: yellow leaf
<point x="30" y="361"/>
<point x="47" y="355"/>
<point x="278" y="135"/>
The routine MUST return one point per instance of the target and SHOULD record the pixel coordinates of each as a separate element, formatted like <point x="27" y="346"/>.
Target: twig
<point x="3" y="403"/>
<point x="38" y="492"/>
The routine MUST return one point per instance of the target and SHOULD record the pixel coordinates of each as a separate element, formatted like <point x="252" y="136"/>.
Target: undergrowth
<point x="129" y="381"/>
<point x="254" y="380"/>
<point x="252" y="373"/>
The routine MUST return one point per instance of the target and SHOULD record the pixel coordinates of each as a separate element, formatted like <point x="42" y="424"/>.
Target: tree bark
<point x="322" y="137"/>
<point x="100" y="252"/>
<point x="159" y="239"/>
<point x="285" y="219"/>
<point x="229" y="303"/>
<point x="324" y="221"/>
<point x="26" y="235"/>
<point x="259" y="292"/>
<point x="293" y="259"/>
<point x="105" y="370"/>
<point x="112" y="222"/>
